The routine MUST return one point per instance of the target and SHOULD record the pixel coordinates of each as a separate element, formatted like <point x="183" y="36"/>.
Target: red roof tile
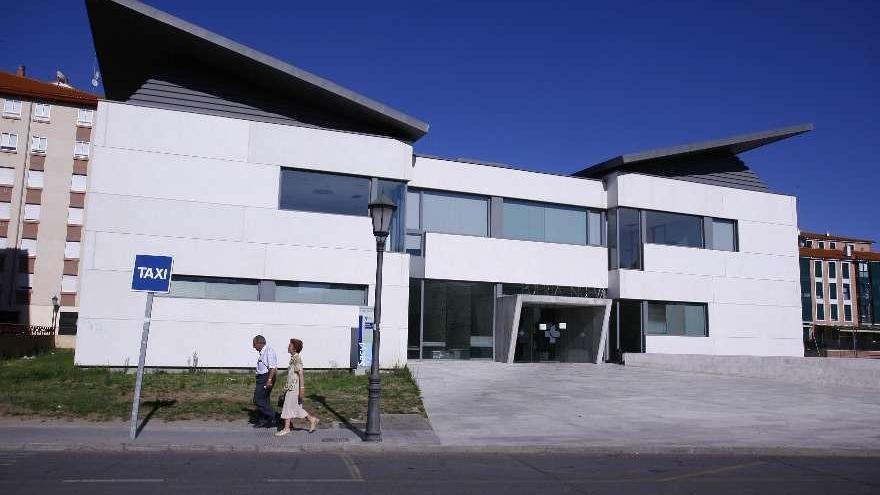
<point x="32" y="88"/>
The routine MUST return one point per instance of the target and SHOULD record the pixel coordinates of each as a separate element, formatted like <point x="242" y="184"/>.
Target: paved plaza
<point x="587" y="405"/>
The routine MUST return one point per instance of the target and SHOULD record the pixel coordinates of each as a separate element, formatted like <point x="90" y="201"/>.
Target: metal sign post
<point x="151" y="274"/>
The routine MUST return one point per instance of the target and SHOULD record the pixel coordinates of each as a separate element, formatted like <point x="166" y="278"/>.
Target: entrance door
<point x="555" y="334"/>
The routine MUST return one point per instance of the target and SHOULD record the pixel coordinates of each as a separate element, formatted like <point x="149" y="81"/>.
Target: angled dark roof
<point x="726" y="146"/>
<point x="147" y="55"/>
<point x="32" y="88"/>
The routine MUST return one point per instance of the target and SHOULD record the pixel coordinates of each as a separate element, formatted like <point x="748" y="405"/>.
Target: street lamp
<point x="55" y="308"/>
<point x="381" y="211"/>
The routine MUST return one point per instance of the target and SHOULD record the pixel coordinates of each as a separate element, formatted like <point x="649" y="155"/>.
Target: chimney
<point x="20" y="71"/>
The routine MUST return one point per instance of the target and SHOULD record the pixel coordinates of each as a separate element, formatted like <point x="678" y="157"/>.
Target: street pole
<point x="374" y="430"/>
<point x="145" y="335"/>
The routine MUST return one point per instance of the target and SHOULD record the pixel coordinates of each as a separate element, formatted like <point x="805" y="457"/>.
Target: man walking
<point x="267" y="366"/>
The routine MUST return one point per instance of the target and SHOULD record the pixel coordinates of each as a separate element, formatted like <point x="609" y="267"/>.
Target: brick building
<point x="840" y="294"/>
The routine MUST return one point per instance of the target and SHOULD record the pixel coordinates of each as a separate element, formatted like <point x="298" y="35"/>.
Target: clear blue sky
<point x="557" y="86"/>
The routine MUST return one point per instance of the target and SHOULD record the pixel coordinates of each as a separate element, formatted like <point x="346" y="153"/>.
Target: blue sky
<point x="558" y="86"/>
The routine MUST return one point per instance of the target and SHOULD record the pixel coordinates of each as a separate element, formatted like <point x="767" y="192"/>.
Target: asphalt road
<point x="399" y="474"/>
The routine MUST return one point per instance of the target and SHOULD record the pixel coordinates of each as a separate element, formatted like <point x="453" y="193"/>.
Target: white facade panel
<point x="5" y="210"/>
<point x="332" y="151"/>
<point x="757" y="292"/>
<point x="737" y="320"/>
<point x="126" y="214"/>
<point x="659" y="286"/>
<point x="69" y="283"/>
<point x="204" y="180"/>
<point x="309" y="229"/>
<point x="176" y="133"/>
<point x="768" y="238"/>
<point x="191" y="256"/>
<point x="433" y="173"/>
<point x="683" y="260"/>
<point x="667" y="344"/>
<point x="457" y="257"/>
<point x="761" y="266"/>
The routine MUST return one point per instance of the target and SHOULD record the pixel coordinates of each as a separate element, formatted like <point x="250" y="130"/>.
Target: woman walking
<point x="295" y="391"/>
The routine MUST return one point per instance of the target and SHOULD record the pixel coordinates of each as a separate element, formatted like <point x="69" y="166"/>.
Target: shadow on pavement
<point x="342" y="419"/>
<point x="155" y="405"/>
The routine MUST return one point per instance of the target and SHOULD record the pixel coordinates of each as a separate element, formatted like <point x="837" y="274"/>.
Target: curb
<point x="374" y="449"/>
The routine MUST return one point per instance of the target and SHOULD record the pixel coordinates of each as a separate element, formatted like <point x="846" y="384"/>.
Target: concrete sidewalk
<point x="399" y="431"/>
<point x="641" y="410"/>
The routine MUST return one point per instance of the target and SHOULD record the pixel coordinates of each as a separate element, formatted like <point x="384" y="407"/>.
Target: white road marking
<point x="311" y="480"/>
<point x="352" y="468"/>
<point x="116" y="480"/>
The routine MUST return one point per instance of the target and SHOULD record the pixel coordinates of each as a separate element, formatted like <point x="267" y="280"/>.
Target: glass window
<point x="820" y="311"/>
<point x="820" y="294"/>
<point x="457" y="320"/>
<point x="808" y="243"/>
<point x="821" y="244"/>
<point x="847" y="312"/>
<point x="452" y="213"/>
<point x="595" y="228"/>
<point x="85" y="116"/>
<point x="547" y="223"/>
<point x="817" y="265"/>
<point x="832" y="270"/>
<point x="12" y="107"/>
<point x="39" y="144"/>
<point x="673" y="229"/>
<point x="395" y="190"/>
<point x="806" y="297"/>
<point x="8" y="141"/>
<point x="832" y="245"/>
<point x="834" y="316"/>
<point x="723" y="234"/>
<point x="325" y="193"/>
<point x="414" y="337"/>
<point x="630" y="238"/>
<point x="844" y="268"/>
<point x="413" y="207"/>
<point x="41" y="111"/>
<point x="832" y="291"/>
<point x="847" y="296"/>
<point x="81" y="149"/>
<point x="320" y="293"/>
<point x="214" y="288"/>
<point x="684" y="319"/>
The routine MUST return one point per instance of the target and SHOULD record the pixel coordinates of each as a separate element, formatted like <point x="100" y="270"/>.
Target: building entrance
<point x="557" y="334"/>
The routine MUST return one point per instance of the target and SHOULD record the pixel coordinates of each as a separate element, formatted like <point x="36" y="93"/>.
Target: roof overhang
<point x="134" y="42"/>
<point x="732" y="145"/>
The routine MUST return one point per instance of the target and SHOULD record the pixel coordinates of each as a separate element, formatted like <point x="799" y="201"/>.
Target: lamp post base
<point x="373" y="431"/>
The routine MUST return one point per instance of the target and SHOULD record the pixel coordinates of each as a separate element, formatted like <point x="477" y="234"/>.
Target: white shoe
<point x="282" y="432"/>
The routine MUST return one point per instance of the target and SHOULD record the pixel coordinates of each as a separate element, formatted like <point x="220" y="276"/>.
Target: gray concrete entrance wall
<point x="509" y="309"/>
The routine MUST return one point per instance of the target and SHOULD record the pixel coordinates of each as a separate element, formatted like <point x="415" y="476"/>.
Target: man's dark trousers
<point x="261" y="399"/>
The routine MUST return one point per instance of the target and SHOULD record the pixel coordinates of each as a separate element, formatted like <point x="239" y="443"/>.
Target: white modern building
<point x="255" y="176"/>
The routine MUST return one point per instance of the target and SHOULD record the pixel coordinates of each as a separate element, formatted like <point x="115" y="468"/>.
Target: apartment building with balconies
<point x="45" y="147"/>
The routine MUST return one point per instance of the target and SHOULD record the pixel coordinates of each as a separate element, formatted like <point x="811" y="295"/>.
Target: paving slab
<point x="610" y="406"/>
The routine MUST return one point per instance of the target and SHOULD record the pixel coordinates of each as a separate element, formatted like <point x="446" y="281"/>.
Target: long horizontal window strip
<point x="215" y="288"/>
<point x="324" y="192"/>
<point x="238" y="289"/>
<point x="453" y="213"/>
<point x="673" y="229"/>
<point x="546" y="223"/>
<point x="675" y="318"/>
<point x="318" y="293"/>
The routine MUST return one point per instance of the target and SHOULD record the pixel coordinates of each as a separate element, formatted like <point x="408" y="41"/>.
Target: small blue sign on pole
<point x="151" y="273"/>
